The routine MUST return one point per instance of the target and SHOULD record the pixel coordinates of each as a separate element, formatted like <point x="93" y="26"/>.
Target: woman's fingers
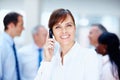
<point x="49" y="48"/>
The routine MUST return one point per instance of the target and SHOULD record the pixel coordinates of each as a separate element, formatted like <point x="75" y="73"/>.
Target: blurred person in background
<point x="31" y="55"/>
<point x="95" y="31"/>
<point x="9" y="65"/>
<point x="71" y="62"/>
<point x="109" y="47"/>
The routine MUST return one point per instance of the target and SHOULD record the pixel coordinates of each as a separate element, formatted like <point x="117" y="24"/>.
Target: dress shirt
<point x="28" y="59"/>
<point x="107" y="67"/>
<point x="7" y="59"/>
<point x="79" y="64"/>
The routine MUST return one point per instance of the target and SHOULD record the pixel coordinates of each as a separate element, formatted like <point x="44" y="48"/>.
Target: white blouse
<point x="79" y="64"/>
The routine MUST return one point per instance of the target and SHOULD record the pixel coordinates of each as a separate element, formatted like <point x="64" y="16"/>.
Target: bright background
<point x="86" y="12"/>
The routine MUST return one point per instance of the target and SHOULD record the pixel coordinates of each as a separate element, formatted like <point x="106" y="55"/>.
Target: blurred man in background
<point x="9" y="65"/>
<point x="31" y="55"/>
<point x="95" y="31"/>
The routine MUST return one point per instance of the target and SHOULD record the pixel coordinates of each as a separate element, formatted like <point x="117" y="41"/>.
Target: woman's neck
<point x="66" y="48"/>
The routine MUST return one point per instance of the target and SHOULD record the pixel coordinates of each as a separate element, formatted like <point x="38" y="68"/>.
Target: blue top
<point x="7" y="59"/>
<point x="28" y="60"/>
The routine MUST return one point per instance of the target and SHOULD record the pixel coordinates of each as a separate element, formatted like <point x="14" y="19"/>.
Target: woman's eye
<point x="69" y="25"/>
<point x="57" y="27"/>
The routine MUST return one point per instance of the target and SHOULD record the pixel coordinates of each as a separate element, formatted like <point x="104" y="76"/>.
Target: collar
<point x="69" y="55"/>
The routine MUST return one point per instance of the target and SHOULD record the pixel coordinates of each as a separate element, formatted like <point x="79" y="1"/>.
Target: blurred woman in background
<point x="109" y="48"/>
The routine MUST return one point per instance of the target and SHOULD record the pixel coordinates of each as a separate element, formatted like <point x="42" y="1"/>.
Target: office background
<point x="86" y="12"/>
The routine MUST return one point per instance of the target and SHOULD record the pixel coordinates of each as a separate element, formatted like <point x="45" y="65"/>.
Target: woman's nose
<point x="64" y="30"/>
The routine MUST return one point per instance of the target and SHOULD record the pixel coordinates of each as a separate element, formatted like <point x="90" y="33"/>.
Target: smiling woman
<point x="71" y="61"/>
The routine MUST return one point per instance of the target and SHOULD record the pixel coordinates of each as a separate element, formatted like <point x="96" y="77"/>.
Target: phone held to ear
<point x="50" y="33"/>
<point x="56" y="47"/>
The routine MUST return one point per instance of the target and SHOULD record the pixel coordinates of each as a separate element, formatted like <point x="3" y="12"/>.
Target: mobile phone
<point x="50" y="33"/>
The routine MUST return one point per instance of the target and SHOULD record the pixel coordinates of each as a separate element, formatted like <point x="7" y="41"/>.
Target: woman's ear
<point x="105" y="49"/>
<point x="105" y="46"/>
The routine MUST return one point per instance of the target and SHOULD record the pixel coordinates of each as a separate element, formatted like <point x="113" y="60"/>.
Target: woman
<point x="71" y="62"/>
<point x="108" y="46"/>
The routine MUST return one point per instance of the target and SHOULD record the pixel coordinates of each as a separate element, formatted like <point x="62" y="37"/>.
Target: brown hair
<point x="11" y="17"/>
<point x="59" y="15"/>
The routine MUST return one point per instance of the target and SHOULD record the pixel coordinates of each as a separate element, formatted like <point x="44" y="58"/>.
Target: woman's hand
<point x="49" y="49"/>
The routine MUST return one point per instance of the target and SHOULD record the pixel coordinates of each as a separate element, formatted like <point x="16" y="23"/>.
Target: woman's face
<point x="64" y="32"/>
<point x="101" y="49"/>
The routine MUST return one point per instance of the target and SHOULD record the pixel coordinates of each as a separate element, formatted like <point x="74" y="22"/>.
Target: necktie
<point x="16" y="61"/>
<point x="39" y="56"/>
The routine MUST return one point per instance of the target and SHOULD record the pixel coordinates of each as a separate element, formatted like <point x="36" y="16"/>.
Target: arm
<point x="44" y="72"/>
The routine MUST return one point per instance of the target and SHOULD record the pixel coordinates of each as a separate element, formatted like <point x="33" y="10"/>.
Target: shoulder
<point x="86" y="53"/>
<point x="24" y="53"/>
<point x="25" y="49"/>
<point x="4" y="44"/>
<point x="5" y="48"/>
